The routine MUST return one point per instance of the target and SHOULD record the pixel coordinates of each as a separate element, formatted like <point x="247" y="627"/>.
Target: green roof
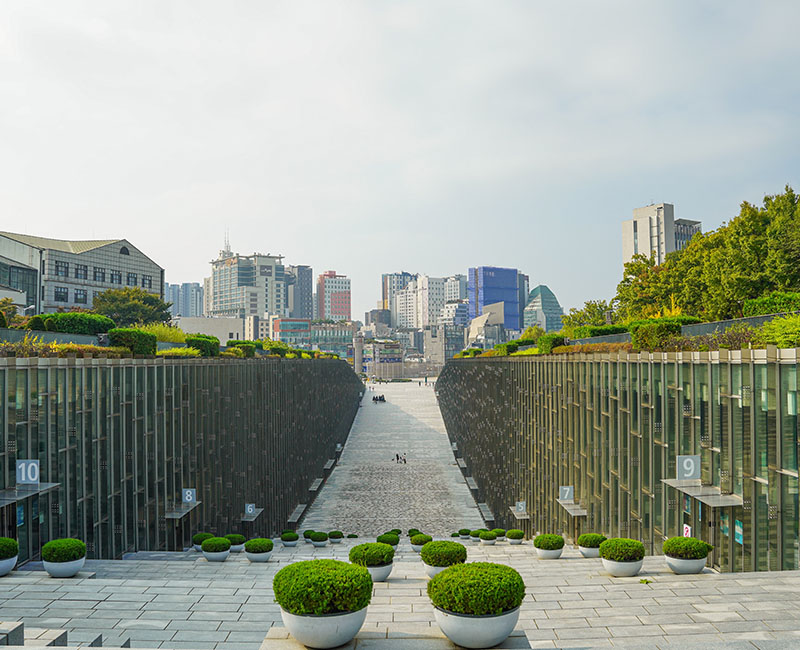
<point x="59" y="244"/>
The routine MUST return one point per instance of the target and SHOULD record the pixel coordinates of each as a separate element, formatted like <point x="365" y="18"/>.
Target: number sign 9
<point x="688" y="467"/>
<point x="27" y="472"/>
<point x="189" y="495"/>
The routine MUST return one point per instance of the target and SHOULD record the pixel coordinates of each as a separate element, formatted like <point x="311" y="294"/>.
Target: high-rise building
<point x="487" y="285"/>
<point x="374" y="316"/>
<point x="455" y="288"/>
<point x="300" y="291"/>
<point x="247" y="285"/>
<point x="420" y="303"/>
<point x="333" y="297"/>
<point x="443" y="342"/>
<point x="391" y="283"/>
<point x="543" y="309"/>
<point x="454" y="312"/>
<point x="523" y="290"/>
<point x="187" y="299"/>
<point x="654" y="231"/>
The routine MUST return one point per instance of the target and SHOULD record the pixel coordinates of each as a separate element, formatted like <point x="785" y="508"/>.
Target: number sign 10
<point x="27" y="472"/>
<point x="688" y="467"/>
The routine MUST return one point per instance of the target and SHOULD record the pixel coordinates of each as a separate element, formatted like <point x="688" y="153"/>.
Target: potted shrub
<point x="388" y="538"/>
<point x="475" y="536"/>
<point x="9" y="550"/>
<point x="437" y="556"/>
<point x="63" y="558"/>
<point x="500" y="533"/>
<point x="376" y="557"/>
<point x="336" y="536"/>
<point x="455" y="535"/>
<point x="515" y="536"/>
<point x="289" y="538"/>
<point x="307" y="535"/>
<point x="463" y="533"/>
<point x="319" y="539"/>
<point x="622" y="557"/>
<point x="198" y="539"/>
<point x="216" y="549"/>
<point x="418" y="541"/>
<point x="237" y="542"/>
<point x="323" y="602"/>
<point x="477" y="605"/>
<point x="548" y="547"/>
<point x="258" y="549"/>
<point x="683" y="554"/>
<point x="488" y="538"/>
<point x="352" y="536"/>
<point x="589" y="544"/>
<point x="413" y="531"/>
<point x="395" y="531"/>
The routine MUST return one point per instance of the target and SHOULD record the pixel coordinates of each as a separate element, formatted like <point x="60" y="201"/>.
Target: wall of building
<point x="612" y="426"/>
<point x="122" y="438"/>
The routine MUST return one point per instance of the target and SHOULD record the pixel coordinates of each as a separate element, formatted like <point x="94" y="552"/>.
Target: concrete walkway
<point x="369" y="493"/>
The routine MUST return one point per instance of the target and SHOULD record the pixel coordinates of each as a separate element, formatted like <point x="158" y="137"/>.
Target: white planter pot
<point x="475" y="540"/>
<point x="678" y="565"/>
<point x="64" y="569"/>
<point x="335" y="540"/>
<point x="7" y="565"/>
<point x="433" y="570"/>
<point x="380" y="573"/>
<point x="622" y="569"/>
<point x="515" y="542"/>
<point x="588" y="551"/>
<point x="416" y="548"/>
<point x="545" y="554"/>
<point x="464" y="536"/>
<point x="258" y="557"/>
<point x="476" y="631"/>
<point x="307" y="540"/>
<point x="324" y="631"/>
<point x="198" y="548"/>
<point x="319" y="544"/>
<point x="488" y="542"/>
<point x="289" y="544"/>
<point x="501" y="538"/>
<point x="237" y="548"/>
<point x="217" y="556"/>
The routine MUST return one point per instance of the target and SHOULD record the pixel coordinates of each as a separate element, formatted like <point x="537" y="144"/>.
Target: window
<point x="81" y="271"/>
<point x="81" y="297"/>
<point x="62" y="269"/>
<point x="132" y="279"/>
<point x="116" y="277"/>
<point x="61" y="294"/>
<point x="124" y="251"/>
<point x="99" y="274"/>
<point x="147" y="282"/>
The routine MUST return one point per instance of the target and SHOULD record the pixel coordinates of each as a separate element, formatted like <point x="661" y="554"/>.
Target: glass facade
<point x="612" y="427"/>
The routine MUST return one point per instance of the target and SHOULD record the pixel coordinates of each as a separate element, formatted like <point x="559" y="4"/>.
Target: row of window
<point x="115" y="277"/>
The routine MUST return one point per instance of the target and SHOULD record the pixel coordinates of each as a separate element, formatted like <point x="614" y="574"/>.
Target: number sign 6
<point x="249" y="508"/>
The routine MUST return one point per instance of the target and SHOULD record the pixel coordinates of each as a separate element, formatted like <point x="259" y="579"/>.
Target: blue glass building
<point x="487" y="285"/>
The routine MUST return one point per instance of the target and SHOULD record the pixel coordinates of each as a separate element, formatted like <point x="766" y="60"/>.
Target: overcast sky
<point x="370" y="137"/>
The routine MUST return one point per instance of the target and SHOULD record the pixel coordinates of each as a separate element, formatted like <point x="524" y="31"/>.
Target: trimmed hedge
<point x="590" y="331"/>
<point x="421" y="539"/>
<point x="475" y="533"/>
<point x="547" y="342"/>
<point x="248" y="347"/>
<point x="208" y="345"/>
<point x="464" y="531"/>
<point x="388" y="538"/>
<point x="137" y="341"/>
<point x="179" y="353"/>
<point x="259" y="545"/>
<point x="199" y="538"/>
<point x="776" y="302"/>
<point x="289" y="536"/>
<point x="216" y="545"/>
<point x="36" y="324"/>
<point x="500" y="532"/>
<point x="515" y="533"/>
<point x="548" y="542"/>
<point x="487" y="535"/>
<point x="63" y="550"/>
<point x="686" y="548"/>
<point x="235" y="539"/>
<point x="622" y="549"/>
<point x="321" y="587"/>
<point x="8" y="548"/>
<point x="372" y="554"/>
<point x="653" y="333"/>
<point x="591" y="540"/>
<point x="477" y="589"/>
<point x="352" y="536"/>
<point x="77" y="322"/>
<point x="335" y="534"/>
<point x="443" y="553"/>
<point x="318" y="537"/>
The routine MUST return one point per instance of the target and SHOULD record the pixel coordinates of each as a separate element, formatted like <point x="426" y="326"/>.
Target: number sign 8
<point x="189" y="495"/>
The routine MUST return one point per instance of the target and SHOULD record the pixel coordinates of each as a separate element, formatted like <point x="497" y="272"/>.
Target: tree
<point x="9" y="310"/>
<point x="532" y="333"/>
<point x="593" y="313"/>
<point x="132" y="306"/>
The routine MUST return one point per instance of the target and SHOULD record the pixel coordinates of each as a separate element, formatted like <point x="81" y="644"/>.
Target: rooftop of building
<point x="64" y="245"/>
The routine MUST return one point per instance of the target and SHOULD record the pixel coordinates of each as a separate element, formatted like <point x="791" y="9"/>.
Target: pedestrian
<point x="404" y="459"/>
<point x="397" y="458"/>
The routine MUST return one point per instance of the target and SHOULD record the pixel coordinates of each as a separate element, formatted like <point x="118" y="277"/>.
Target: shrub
<point x="500" y="532"/>
<point x="3" y="321"/>
<point x="165" y="333"/>
<point x="287" y="530"/>
<point x="199" y="538"/>
<point x="591" y="540"/>
<point x="179" y="353"/>
<point x="487" y="535"/>
<point x="372" y="554"/>
<point x="388" y="538"/>
<point x="63" y="550"/>
<point x="135" y="340"/>
<point x="289" y="536"/>
<point x="548" y="542"/>
<point x="307" y="533"/>
<point x="216" y="545"/>
<point x="592" y="348"/>
<point x="232" y="353"/>
<point x="78" y="322"/>
<point x="454" y="535"/>
<point x="443" y="553"/>
<point x="477" y="589"/>
<point x="687" y="548"/>
<point x="464" y="531"/>
<point x="8" y="548"/>
<point x="653" y="333"/>
<point x="776" y="302"/>
<point x="321" y="587"/>
<point x="318" y="537"/>
<point x="352" y="536"/>
<point x="208" y="345"/>
<point x="413" y="531"/>
<point x="336" y="534"/>
<point x="590" y="331"/>
<point x="421" y="540"/>
<point x="36" y="323"/>
<point x="783" y="332"/>
<point x="547" y="342"/>
<point x="622" y="549"/>
<point x="235" y="539"/>
<point x="475" y="533"/>
<point x="81" y="350"/>
<point x="247" y="347"/>
<point x="515" y="533"/>
<point x="258" y="545"/>
<point x="396" y="531"/>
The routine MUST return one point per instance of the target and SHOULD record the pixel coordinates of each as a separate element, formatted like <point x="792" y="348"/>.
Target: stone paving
<point x="369" y="493"/>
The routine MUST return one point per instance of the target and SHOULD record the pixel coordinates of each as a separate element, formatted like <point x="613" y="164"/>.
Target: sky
<point x="377" y="136"/>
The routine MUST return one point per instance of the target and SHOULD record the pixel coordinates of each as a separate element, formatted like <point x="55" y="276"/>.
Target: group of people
<point x="378" y="398"/>
<point x="400" y="459"/>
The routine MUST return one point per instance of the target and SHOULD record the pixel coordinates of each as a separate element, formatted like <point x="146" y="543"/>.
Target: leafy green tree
<point x="132" y="306"/>
<point x="532" y="333"/>
<point x="593" y="313"/>
<point x="9" y="310"/>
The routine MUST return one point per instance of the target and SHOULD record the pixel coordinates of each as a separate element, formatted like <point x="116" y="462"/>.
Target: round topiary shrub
<point x="216" y="545"/>
<point x="319" y="587"/>
<point x="286" y="530"/>
<point x="591" y="540"/>
<point x="500" y="532"/>
<point x="396" y="531"/>
<point x="307" y="533"/>
<point x="420" y="540"/>
<point x="464" y="531"/>
<point x="63" y="550"/>
<point x="235" y="539"/>
<point x="289" y="536"/>
<point x="199" y="538"/>
<point x="352" y="536"/>
<point x="454" y="535"/>
<point x="372" y="554"/>
<point x="258" y="545"/>
<point x="488" y="535"/>
<point x="548" y="542"/>
<point x="388" y="538"/>
<point x="443" y="553"/>
<point x="335" y="534"/>
<point x="515" y="533"/>
<point x="477" y="589"/>
<point x="8" y="548"/>
<point x="622" y="549"/>
<point x="413" y="531"/>
<point x="683" y="548"/>
<point x="319" y="537"/>
<point x="475" y="533"/>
